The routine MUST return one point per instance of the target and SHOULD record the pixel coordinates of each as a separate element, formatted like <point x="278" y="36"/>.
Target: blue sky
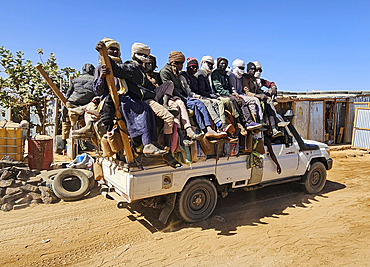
<point x="319" y="45"/>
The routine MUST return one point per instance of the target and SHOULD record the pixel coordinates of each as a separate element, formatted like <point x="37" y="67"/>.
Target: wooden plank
<point x="52" y="85"/>
<point x="335" y="121"/>
<point x="346" y="123"/>
<point x="309" y="119"/>
<point x="340" y="135"/>
<point x="113" y="92"/>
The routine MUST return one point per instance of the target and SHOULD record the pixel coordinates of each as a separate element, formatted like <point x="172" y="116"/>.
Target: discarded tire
<point x="71" y="184"/>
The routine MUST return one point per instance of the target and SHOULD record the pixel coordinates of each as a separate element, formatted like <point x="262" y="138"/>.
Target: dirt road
<point x="275" y="226"/>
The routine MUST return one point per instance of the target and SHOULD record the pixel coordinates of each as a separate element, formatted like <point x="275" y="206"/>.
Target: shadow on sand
<point x="239" y="208"/>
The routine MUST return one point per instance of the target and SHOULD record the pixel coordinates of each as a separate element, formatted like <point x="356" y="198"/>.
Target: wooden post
<point x="346" y="123"/>
<point x="51" y="84"/>
<point x="44" y="117"/>
<point x="113" y="92"/>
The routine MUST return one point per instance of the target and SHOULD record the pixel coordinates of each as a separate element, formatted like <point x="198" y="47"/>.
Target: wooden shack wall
<point x="309" y="112"/>
<point x="301" y="117"/>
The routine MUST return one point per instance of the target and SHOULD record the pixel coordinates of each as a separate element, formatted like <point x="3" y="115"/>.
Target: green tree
<point x="23" y="87"/>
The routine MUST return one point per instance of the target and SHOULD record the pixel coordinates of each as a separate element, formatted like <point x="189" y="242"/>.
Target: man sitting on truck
<point x="236" y="84"/>
<point x="190" y="82"/>
<point x="138" y="115"/>
<point x="251" y="88"/>
<point x="140" y="88"/>
<point x="206" y="91"/>
<point x="170" y="72"/>
<point x="221" y="85"/>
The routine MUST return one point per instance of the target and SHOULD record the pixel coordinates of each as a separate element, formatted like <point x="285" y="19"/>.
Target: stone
<point x="34" y="180"/>
<point x="34" y="195"/>
<point x="6" y="183"/>
<point x="2" y="191"/>
<point x="47" y="195"/>
<point x="6" y="157"/>
<point x="6" y="207"/>
<point x="25" y="174"/>
<point x="5" y="175"/>
<point x="35" y="202"/>
<point x="20" y="206"/>
<point x="7" y="163"/>
<point x="11" y="190"/>
<point x="26" y="199"/>
<point x="29" y="187"/>
<point x="9" y="198"/>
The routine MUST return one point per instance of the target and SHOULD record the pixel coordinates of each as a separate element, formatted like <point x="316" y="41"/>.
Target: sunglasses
<point x="258" y="70"/>
<point x="143" y="55"/>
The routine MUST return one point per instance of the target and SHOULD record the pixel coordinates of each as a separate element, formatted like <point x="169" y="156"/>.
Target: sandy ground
<point x="274" y="226"/>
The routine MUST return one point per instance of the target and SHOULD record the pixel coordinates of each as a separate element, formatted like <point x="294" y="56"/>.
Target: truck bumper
<point x="329" y="163"/>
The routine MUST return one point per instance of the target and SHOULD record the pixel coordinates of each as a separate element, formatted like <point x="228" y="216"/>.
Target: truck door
<point x="288" y="159"/>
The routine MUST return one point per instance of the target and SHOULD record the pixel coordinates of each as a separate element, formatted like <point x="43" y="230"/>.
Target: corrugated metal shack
<point x="324" y="116"/>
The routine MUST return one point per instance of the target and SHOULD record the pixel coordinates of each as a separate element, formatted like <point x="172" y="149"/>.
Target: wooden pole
<point x="113" y="92"/>
<point x="51" y="84"/>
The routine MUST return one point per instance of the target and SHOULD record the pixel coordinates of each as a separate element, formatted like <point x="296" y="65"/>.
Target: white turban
<point x="257" y="64"/>
<point x="204" y="65"/>
<point x="139" y="48"/>
<point x="237" y="63"/>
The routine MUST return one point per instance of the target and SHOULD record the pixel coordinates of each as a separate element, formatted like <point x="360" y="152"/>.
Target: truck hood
<point x="312" y="142"/>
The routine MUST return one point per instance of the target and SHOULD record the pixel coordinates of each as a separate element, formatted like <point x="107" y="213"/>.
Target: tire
<point x="315" y="178"/>
<point x="71" y="184"/>
<point x="197" y="201"/>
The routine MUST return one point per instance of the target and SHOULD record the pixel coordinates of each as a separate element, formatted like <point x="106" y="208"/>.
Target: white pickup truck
<point x="192" y="192"/>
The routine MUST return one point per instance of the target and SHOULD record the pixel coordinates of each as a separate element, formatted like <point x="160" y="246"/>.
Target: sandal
<point x="187" y="142"/>
<point x="170" y="160"/>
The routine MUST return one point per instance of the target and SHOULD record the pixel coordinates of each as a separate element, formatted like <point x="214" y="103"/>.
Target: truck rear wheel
<point x="315" y="178"/>
<point x="197" y="201"/>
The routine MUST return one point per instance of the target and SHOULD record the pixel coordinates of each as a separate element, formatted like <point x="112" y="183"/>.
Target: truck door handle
<point x="291" y="152"/>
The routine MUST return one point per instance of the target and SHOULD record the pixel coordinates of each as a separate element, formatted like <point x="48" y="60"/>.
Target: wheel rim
<point x="315" y="178"/>
<point x="199" y="201"/>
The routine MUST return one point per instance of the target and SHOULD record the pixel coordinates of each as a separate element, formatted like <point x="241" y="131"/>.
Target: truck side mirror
<point x="289" y="114"/>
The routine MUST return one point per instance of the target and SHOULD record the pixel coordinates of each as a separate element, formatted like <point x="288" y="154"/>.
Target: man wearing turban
<point x="190" y="82"/>
<point x="171" y="72"/>
<point x="138" y="115"/>
<point x="221" y="86"/>
<point x="140" y="88"/>
<point x="252" y="103"/>
<point x="251" y="88"/>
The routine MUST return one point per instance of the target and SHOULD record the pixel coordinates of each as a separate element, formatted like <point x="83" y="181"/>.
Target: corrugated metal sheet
<point x="361" y="137"/>
<point x="349" y="133"/>
<point x="352" y="109"/>
<point x="362" y="99"/>
<point x="316" y="131"/>
<point x="351" y="118"/>
<point x="301" y="118"/>
<point x="363" y="118"/>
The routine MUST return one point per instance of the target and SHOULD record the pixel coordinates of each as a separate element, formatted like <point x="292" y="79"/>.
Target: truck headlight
<point x="327" y="150"/>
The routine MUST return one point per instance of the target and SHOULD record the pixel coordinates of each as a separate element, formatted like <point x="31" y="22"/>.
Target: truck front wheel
<point x="315" y="178"/>
<point x="197" y="201"/>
